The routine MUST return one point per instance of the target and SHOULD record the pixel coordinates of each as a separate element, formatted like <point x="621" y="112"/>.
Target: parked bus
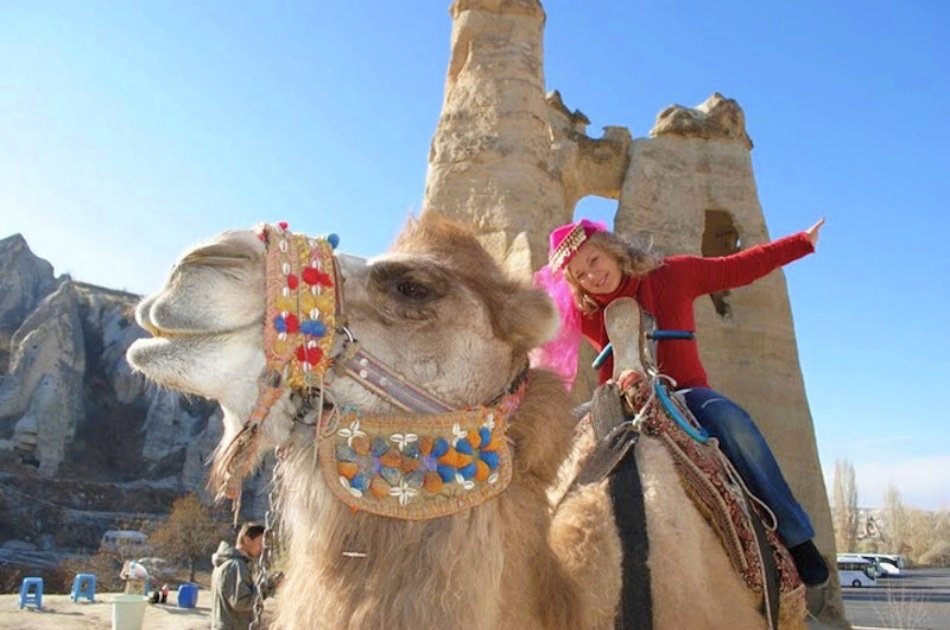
<point x="856" y="571"/>
<point x="890" y="563"/>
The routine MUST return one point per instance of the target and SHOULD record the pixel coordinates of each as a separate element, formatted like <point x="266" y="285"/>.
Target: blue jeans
<point x="746" y="448"/>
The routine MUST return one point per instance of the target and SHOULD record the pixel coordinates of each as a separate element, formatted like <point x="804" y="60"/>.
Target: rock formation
<point x="515" y="162"/>
<point x="74" y="416"/>
<point x="25" y="281"/>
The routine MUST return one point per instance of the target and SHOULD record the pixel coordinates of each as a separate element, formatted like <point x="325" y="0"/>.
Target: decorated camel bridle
<point x="426" y="461"/>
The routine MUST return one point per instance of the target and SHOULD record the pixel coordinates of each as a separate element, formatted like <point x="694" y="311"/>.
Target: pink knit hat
<point x="567" y="239"/>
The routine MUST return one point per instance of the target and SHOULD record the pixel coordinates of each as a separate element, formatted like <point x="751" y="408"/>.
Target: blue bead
<point x="485" y="436"/>
<point x="415" y="478"/>
<point x="391" y="475"/>
<point x="313" y="328"/>
<point x="490" y="458"/>
<point x="464" y="446"/>
<point x="280" y="324"/>
<point x="345" y="454"/>
<point x="468" y="471"/>
<point x="440" y="448"/>
<point x="411" y="450"/>
<point x="360" y="482"/>
<point x="379" y="447"/>
<point x="446" y="472"/>
<point x="333" y="240"/>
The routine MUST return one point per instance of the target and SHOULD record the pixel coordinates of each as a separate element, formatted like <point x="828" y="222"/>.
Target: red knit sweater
<point x="668" y="292"/>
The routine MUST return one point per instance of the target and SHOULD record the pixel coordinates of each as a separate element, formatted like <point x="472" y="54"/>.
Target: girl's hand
<point x="627" y="379"/>
<point x="813" y="231"/>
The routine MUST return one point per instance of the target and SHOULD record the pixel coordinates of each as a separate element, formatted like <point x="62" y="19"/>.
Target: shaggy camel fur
<point x="438" y="309"/>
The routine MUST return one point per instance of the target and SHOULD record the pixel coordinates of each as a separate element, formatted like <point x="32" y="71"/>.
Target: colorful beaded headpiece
<point x="301" y="305"/>
<point x="299" y="330"/>
<point x="567" y="239"/>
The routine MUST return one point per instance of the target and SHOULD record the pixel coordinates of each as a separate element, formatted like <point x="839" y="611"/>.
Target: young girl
<point x="598" y="267"/>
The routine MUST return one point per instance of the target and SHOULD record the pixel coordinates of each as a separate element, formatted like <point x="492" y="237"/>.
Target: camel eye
<point x="413" y="290"/>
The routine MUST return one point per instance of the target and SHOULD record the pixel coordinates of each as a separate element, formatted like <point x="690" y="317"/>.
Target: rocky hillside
<point x="80" y="433"/>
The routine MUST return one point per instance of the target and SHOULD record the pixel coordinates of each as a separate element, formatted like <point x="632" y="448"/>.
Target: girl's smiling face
<point x="596" y="271"/>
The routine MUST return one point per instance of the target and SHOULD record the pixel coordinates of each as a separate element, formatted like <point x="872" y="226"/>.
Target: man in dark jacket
<point x="232" y="588"/>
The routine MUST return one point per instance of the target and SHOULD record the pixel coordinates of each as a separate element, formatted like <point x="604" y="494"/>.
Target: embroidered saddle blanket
<point x="721" y="501"/>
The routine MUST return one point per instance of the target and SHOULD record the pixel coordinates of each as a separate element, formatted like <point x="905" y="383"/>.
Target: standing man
<point x="232" y="587"/>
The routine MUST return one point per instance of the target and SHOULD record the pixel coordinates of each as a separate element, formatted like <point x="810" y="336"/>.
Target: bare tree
<point x="845" y="499"/>
<point x="189" y="535"/>
<point x="896" y="520"/>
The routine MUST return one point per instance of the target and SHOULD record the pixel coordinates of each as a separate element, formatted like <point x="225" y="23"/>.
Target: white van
<point x="125" y="541"/>
<point x="853" y="570"/>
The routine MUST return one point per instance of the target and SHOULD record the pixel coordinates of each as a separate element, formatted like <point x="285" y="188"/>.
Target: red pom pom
<point x="309" y="355"/>
<point x="292" y="281"/>
<point x="283" y="225"/>
<point x="292" y="323"/>
<point x="314" y="276"/>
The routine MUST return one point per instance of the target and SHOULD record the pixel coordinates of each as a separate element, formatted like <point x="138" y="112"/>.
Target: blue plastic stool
<point x="31" y="596"/>
<point x="84" y="585"/>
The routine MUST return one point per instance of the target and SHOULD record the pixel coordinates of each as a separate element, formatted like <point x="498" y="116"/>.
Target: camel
<point x="436" y="310"/>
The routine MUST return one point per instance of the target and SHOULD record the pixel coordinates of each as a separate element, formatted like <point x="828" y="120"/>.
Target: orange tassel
<point x="425" y="445"/>
<point x="347" y="469"/>
<point x="481" y="471"/>
<point x="379" y="487"/>
<point x="392" y="459"/>
<point x="432" y="482"/>
<point x="361" y="444"/>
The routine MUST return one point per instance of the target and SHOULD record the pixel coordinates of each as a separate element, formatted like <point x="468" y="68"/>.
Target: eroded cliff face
<point x="74" y="417"/>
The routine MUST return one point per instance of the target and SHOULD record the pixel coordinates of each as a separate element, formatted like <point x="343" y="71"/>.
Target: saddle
<point x="757" y="555"/>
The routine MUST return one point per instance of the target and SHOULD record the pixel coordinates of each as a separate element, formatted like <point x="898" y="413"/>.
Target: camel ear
<point x="529" y="318"/>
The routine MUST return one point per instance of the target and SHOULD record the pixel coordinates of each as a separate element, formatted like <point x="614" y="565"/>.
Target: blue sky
<point x="129" y="131"/>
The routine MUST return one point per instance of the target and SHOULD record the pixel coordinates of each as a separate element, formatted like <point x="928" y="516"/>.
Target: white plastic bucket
<point x="128" y="612"/>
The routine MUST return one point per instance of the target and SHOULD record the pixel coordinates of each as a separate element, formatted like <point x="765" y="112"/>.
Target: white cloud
<point x="922" y="481"/>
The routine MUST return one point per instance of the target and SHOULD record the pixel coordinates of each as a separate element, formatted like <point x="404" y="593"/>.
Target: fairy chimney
<point x="514" y="162"/>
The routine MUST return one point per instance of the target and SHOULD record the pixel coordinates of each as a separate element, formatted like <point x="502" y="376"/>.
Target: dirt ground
<point x="60" y="613"/>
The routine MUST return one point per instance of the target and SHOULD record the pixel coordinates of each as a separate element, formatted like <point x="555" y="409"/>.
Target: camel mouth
<point x="160" y="333"/>
<point x="144" y="354"/>
<point x="157" y="332"/>
<point x="147" y="352"/>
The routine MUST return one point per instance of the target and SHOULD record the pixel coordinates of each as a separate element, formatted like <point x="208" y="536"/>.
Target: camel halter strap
<point x="429" y="461"/>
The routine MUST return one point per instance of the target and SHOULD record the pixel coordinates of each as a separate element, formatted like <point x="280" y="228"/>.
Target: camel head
<point x="436" y="310"/>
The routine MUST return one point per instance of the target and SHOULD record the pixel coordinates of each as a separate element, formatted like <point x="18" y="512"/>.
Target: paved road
<point x="918" y="600"/>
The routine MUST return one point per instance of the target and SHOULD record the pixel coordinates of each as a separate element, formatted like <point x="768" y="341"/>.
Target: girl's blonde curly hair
<point x="633" y="262"/>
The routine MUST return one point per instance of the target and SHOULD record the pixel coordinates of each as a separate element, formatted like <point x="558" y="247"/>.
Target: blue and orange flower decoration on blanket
<point x="443" y="464"/>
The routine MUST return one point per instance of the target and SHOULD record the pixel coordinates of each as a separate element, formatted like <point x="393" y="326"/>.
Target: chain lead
<point x="268" y="546"/>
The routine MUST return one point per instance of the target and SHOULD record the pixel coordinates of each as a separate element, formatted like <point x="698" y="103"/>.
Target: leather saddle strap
<point x="770" y="578"/>
<point x="622" y="321"/>
<point x="615" y="455"/>
<point x="636" y="603"/>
